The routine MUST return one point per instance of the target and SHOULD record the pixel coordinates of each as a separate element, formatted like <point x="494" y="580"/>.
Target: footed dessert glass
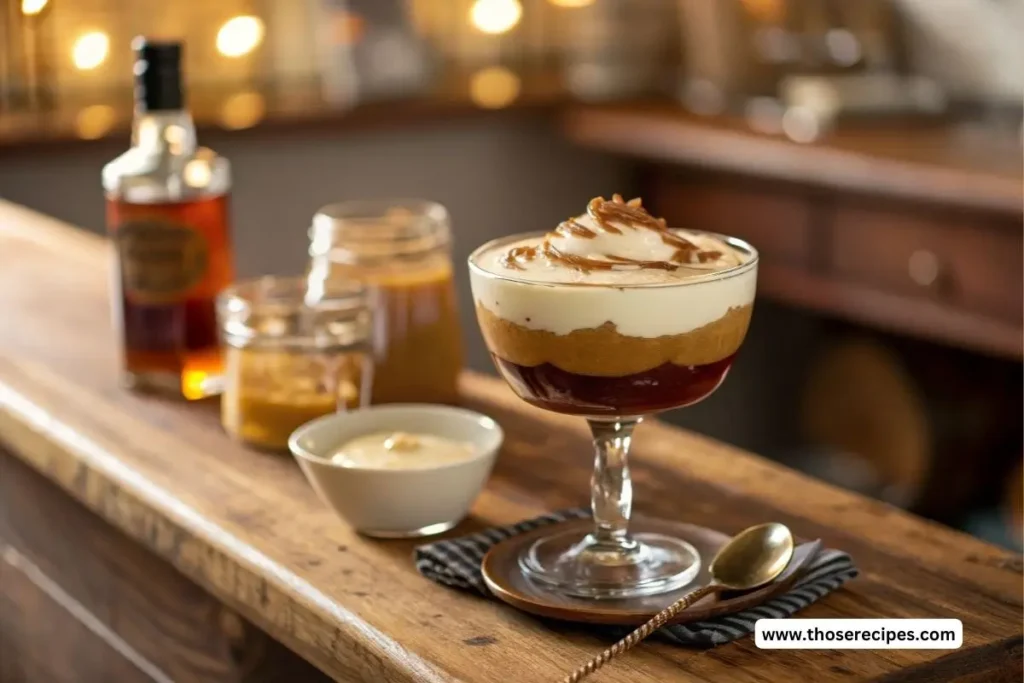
<point x="612" y="352"/>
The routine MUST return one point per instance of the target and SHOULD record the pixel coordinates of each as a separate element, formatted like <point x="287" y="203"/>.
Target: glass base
<point x="652" y="561"/>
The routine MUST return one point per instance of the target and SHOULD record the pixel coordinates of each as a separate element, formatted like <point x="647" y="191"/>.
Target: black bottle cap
<point x="157" y="75"/>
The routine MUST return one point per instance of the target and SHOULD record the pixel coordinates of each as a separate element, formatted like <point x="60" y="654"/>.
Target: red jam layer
<point x="662" y="388"/>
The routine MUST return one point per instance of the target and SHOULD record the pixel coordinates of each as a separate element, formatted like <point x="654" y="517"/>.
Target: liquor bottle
<point x="167" y="217"/>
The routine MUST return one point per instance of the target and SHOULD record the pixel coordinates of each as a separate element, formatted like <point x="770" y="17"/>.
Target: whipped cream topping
<point x="616" y="235"/>
<point x="647" y="280"/>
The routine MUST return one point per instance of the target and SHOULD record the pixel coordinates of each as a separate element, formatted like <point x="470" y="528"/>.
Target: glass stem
<point x="611" y="490"/>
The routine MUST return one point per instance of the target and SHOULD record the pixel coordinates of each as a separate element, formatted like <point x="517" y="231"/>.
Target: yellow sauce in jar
<point x="268" y="394"/>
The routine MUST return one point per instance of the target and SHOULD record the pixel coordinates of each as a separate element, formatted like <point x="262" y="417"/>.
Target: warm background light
<point x="239" y="36"/>
<point x="495" y="16"/>
<point x="242" y="110"/>
<point x="767" y="11"/>
<point x="197" y="173"/>
<point x="346" y="28"/>
<point x="175" y="137"/>
<point x="572" y="3"/>
<point x="95" y="121"/>
<point x="494" y="87"/>
<point x="90" y="50"/>
<point x="29" y="7"/>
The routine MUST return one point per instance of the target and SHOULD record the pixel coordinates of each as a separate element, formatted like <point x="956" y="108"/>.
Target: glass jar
<point x="291" y="354"/>
<point x="402" y="251"/>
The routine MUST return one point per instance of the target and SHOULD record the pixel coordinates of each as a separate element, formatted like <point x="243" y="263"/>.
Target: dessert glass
<point x="613" y="354"/>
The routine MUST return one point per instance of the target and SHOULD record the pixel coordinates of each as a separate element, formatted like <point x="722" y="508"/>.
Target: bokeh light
<point x="242" y="110"/>
<point x="197" y="173"/>
<point x="30" y="7"/>
<point x="494" y="87"/>
<point x="495" y="16"/>
<point x="90" y="50"/>
<point x="95" y="121"/>
<point x="239" y="36"/>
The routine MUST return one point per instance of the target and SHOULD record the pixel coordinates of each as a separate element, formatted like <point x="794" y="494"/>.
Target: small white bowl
<point x="398" y="503"/>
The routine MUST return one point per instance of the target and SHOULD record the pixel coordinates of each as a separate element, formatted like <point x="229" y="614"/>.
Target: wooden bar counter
<point x="140" y="544"/>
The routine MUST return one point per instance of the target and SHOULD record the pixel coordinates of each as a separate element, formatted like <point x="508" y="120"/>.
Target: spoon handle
<point x="634" y="638"/>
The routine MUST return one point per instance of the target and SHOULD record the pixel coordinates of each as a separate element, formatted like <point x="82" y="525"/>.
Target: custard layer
<point x="604" y="352"/>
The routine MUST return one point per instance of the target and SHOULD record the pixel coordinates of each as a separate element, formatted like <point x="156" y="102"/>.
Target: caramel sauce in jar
<point x="268" y="394"/>
<point x="400" y="250"/>
<point x="291" y="356"/>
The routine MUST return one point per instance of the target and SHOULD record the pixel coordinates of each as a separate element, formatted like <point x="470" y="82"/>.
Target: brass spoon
<point x="753" y="558"/>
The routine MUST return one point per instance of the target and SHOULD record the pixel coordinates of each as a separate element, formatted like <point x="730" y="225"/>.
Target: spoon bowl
<point x="753" y="557"/>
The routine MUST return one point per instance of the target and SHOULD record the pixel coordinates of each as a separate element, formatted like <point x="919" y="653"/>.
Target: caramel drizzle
<point x="604" y="212"/>
<point x="573" y="228"/>
<point x="520" y="254"/>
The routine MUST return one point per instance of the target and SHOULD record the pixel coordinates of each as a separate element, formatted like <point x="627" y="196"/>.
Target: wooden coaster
<point x="502" y="574"/>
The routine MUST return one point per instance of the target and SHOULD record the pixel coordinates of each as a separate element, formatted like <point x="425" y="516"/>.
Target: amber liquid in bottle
<point x="173" y="259"/>
<point x="168" y="221"/>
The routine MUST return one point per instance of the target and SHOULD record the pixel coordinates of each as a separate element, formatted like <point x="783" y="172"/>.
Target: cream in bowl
<point x="402" y="451"/>
<point x="397" y="471"/>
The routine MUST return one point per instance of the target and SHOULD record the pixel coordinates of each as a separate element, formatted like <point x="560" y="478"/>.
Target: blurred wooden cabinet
<point x="970" y="262"/>
<point x="950" y="275"/>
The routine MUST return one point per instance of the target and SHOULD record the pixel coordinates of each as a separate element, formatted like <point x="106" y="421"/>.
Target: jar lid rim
<point x="270" y="294"/>
<point x="337" y="214"/>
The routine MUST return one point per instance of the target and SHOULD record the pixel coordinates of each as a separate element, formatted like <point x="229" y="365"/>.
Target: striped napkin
<point x="456" y="562"/>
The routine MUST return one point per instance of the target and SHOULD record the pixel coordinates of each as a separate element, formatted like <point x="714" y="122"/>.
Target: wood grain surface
<point x="246" y="527"/>
<point x="104" y="592"/>
<point x="35" y="617"/>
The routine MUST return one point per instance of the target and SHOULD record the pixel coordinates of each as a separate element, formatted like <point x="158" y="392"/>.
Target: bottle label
<point x="160" y="260"/>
